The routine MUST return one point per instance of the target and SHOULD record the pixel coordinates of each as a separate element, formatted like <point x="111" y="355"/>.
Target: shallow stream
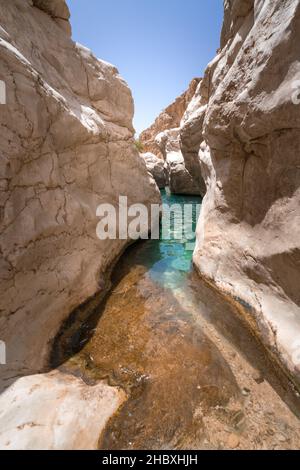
<point x="194" y="375"/>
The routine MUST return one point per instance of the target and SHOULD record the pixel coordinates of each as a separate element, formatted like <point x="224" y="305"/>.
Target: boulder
<point x="157" y="168"/>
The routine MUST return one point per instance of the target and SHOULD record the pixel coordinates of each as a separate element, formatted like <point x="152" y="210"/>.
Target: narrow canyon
<point x="150" y="342"/>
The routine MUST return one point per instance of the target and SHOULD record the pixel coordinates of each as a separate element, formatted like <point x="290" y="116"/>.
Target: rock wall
<point x="169" y="118"/>
<point x="191" y="134"/>
<point x="66" y="146"/>
<point x="180" y="180"/>
<point x="249" y="230"/>
<point x="175" y="137"/>
<point x="55" y="411"/>
<point x="58" y="10"/>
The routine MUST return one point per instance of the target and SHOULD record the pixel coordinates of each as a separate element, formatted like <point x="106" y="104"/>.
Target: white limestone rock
<point x="55" y="412"/>
<point x="180" y="180"/>
<point x="248" y="235"/>
<point x="67" y="145"/>
<point x="157" y="168"/>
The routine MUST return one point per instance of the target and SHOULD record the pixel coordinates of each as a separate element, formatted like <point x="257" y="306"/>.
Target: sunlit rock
<point x="66" y="146"/>
<point x="248" y="236"/>
<point x="157" y="167"/>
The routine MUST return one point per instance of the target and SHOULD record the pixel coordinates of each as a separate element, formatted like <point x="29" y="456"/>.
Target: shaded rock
<point x="54" y="8"/>
<point x="258" y="377"/>
<point x="233" y="441"/>
<point x="58" y="10"/>
<point x="180" y="180"/>
<point x="191" y="134"/>
<point x="166" y="140"/>
<point x="157" y="167"/>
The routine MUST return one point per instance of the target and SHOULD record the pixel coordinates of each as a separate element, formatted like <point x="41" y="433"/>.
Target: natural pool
<point x="178" y="350"/>
<point x="169" y="259"/>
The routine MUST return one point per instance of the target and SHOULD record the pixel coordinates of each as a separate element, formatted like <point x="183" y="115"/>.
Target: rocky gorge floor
<point x="193" y="374"/>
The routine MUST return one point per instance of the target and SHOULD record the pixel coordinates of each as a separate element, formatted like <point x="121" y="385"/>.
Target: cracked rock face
<point x="248" y="235"/>
<point x="66" y="146"/>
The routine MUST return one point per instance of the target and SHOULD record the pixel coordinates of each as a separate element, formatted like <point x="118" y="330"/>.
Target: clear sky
<point x="157" y="45"/>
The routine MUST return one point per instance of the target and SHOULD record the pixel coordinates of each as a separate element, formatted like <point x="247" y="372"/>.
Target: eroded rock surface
<point x="248" y="236"/>
<point x="157" y="168"/>
<point x="73" y="418"/>
<point x="66" y="146"/>
<point x="169" y="118"/>
<point x="191" y="134"/>
<point x="58" y="10"/>
<point x="179" y="179"/>
<point x="180" y="147"/>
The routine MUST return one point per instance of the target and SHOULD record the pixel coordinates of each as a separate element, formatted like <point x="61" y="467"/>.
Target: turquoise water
<point x="159" y="335"/>
<point x="169" y="259"/>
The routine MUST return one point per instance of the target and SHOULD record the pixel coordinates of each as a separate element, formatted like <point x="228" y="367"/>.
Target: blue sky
<point x="157" y="45"/>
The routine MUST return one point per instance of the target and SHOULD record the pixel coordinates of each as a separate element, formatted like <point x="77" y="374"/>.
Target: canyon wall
<point x="66" y="146"/>
<point x="157" y="168"/>
<point x="249" y="230"/>
<point x="170" y="138"/>
<point x="169" y="118"/>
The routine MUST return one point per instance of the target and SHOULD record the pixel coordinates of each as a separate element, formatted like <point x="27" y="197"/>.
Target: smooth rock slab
<point x="55" y="412"/>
